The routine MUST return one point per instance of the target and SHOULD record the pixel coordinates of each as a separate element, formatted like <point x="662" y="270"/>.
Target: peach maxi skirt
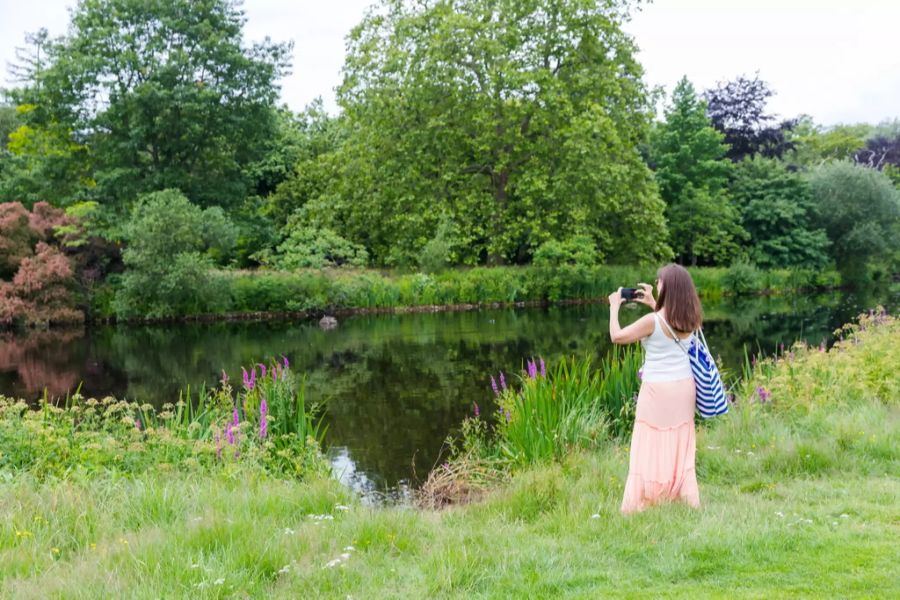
<point x="663" y="447"/>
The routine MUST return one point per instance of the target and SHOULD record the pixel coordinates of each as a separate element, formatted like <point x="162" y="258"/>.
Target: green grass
<point x="799" y="499"/>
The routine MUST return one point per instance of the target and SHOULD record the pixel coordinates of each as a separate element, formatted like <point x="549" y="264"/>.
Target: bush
<point x="577" y="250"/>
<point x="436" y="254"/>
<point x="742" y="277"/>
<point x="171" y="243"/>
<point x="316" y="248"/>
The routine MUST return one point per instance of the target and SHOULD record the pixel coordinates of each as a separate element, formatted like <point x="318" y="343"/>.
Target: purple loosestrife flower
<point x="262" y="368"/>
<point x="502" y="381"/>
<point x="229" y="434"/>
<point x="532" y="369"/>
<point x="475" y="409"/>
<point x="246" y="378"/>
<point x="494" y="386"/>
<point x="224" y="377"/>
<point x="263" y="421"/>
<point x="252" y="379"/>
<point x="762" y="393"/>
<point x="285" y="361"/>
<point x="235" y="416"/>
<point x="274" y="375"/>
<point x="543" y="368"/>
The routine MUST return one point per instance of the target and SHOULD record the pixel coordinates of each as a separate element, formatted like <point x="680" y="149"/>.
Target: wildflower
<point x="285" y="361"/>
<point x="224" y="377"/>
<point x="229" y="434"/>
<point x="246" y="378"/>
<point x="502" y="381"/>
<point x="543" y="368"/>
<point x="532" y="369"/>
<point x="137" y="424"/>
<point x="263" y="422"/>
<point x="252" y="381"/>
<point x="275" y="373"/>
<point x="54" y="550"/>
<point x="262" y="368"/>
<point x="507" y="415"/>
<point x="494" y="386"/>
<point x="476" y="410"/>
<point x="446" y="467"/>
<point x="235" y="416"/>
<point x="762" y="393"/>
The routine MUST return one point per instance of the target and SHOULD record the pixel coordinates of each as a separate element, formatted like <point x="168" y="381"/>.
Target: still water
<point x="394" y="385"/>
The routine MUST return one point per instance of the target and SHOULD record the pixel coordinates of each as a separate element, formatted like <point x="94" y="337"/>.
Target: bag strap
<point x="674" y="336"/>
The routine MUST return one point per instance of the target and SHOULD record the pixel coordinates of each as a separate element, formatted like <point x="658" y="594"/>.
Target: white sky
<point x="838" y="60"/>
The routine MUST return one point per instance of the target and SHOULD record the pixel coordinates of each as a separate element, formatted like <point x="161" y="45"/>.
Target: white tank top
<point x="664" y="360"/>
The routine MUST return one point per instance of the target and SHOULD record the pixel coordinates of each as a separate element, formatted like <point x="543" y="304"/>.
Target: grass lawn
<point x="800" y="498"/>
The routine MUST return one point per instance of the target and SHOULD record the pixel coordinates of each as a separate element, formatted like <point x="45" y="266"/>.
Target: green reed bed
<point x="317" y="290"/>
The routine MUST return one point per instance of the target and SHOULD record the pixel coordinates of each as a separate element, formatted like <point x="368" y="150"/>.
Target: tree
<point x="158" y="95"/>
<point x="737" y="109"/>
<point x="882" y="148"/>
<point x="518" y="120"/>
<point x="777" y="212"/>
<point x="858" y="207"/>
<point x="814" y="144"/>
<point x="169" y="257"/>
<point x="692" y="173"/>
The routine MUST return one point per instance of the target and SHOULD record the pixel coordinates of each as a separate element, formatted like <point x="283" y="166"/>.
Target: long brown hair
<point x="679" y="298"/>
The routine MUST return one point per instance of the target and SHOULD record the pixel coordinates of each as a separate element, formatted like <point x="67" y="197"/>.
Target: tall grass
<point x="548" y="412"/>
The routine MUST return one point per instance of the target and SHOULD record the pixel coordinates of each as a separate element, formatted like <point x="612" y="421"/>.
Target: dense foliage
<point x="470" y="133"/>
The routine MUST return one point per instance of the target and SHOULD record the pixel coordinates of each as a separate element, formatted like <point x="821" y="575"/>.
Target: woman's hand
<point x="647" y="296"/>
<point x="615" y="299"/>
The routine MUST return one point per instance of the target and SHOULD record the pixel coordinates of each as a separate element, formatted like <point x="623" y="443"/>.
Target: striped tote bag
<point x="710" y="390"/>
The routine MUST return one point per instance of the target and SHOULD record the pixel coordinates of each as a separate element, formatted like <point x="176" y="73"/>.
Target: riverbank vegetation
<point x="798" y="485"/>
<point x="141" y="183"/>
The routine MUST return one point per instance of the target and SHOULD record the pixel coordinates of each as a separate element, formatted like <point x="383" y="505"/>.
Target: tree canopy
<point x="519" y="120"/>
<point x="143" y="96"/>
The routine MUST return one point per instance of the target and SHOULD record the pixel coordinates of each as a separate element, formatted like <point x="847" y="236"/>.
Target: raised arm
<point x="637" y="330"/>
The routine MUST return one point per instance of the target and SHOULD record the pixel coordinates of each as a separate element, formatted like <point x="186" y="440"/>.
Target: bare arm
<point x="637" y="330"/>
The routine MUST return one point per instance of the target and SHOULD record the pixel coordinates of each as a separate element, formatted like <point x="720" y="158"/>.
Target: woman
<point x="663" y="444"/>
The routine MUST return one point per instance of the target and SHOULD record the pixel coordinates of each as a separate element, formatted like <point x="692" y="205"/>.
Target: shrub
<point x="171" y="243"/>
<point x="576" y="250"/>
<point x="742" y="277"/>
<point x="436" y="254"/>
<point x="316" y="248"/>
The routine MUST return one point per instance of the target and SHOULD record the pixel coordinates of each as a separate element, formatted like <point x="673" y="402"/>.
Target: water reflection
<point x="394" y="385"/>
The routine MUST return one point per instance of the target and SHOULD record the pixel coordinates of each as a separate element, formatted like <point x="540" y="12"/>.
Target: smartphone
<point x="632" y="293"/>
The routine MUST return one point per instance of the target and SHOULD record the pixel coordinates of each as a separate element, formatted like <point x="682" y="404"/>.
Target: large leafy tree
<point x="777" y="212"/>
<point x="152" y="95"/>
<point x="738" y="109"/>
<point x="814" y="144"/>
<point x="859" y="209"/>
<point x="688" y="155"/>
<point x="517" y="119"/>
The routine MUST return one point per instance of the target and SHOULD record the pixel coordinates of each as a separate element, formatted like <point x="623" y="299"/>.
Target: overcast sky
<point x="838" y="60"/>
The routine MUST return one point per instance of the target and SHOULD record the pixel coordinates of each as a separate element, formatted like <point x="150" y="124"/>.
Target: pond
<point x="394" y="385"/>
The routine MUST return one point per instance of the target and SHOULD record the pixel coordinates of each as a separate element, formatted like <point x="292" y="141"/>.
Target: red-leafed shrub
<point x="17" y="238"/>
<point x="44" y="283"/>
<point x="45" y="219"/>
<point x="42" y="278"/>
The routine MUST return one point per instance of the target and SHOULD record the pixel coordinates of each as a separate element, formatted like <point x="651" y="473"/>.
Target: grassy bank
<point x="798" y="487"/>
<point x="237" y="293"/>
